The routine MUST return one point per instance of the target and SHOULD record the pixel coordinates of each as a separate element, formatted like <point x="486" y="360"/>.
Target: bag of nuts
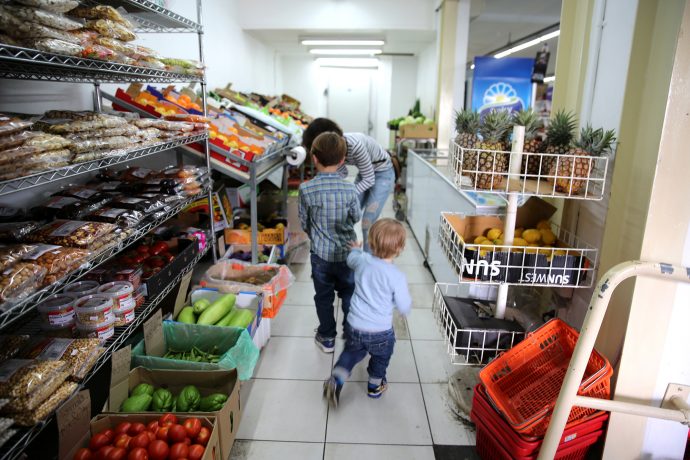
<point x="10" y="255"/>
<point x="57" y="260"/>
<point x="80" y="355"/>
<point x="21" y="377"/>
<point x="71" y="233"/>
<point x="42" y="412"/>
<point x="20" y="281"/>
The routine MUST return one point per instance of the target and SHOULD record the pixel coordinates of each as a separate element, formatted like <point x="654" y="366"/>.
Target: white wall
<point x="301" y="78"/>
<point x="403" y="85"/>
<point x="427" y="79"/>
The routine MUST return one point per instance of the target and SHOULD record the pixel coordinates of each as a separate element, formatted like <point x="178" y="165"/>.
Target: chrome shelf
<point x="12" y="313"/>
<point x="27" y="435"/>
<point x="150" y="17"/>
<point x="28" y="64"/>
<point x="46" y="177"/>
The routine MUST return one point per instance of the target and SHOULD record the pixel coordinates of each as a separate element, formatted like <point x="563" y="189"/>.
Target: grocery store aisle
<point x="284" y="415"/>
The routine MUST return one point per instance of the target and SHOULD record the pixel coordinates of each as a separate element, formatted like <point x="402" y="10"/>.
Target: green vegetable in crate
<point x="212" y="403"/>
<point x="225" y="320"/>
<point x="137" y="403"/>
<point x="219" y="308"/>
<point x="241" y="318"/>
<point x="186" y="315"/>
<point x="162" y="400"/>
<point x="143" y="389"/>
<point x="188" y="400"/>
<point x="201" y="305"/>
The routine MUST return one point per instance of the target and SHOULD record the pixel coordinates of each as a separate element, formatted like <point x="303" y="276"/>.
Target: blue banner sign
<point x="503" y="84"/>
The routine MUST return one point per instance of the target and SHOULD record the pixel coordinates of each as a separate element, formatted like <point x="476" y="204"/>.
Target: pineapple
<point x="559" y="137"/>
<point x="494" y="130"/>
<point x="467" y="126"/>
<point x="592" y="143"/>
<point x="532" y="123"/>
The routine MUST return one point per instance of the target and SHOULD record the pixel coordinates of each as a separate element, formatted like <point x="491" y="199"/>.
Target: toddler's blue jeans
<point x="379" y="345"/>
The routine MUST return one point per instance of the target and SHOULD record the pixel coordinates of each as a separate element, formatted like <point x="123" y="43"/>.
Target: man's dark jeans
<point x="329" y="278"/>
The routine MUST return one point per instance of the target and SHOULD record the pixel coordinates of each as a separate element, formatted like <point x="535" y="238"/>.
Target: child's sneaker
<point x="331" y="390"/>
<point x="326" y="344"/>
<point x="375" y="391"/>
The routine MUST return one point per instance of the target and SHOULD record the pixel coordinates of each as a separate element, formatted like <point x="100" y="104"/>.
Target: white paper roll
<point x="297" y="156"/>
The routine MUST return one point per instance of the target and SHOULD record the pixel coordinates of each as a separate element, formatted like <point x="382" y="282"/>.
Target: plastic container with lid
<point x="124" y="317"/>
<point x="94" y="309"/>
<point x="81" y="288"/>
<point x="65" y="332"/>
<point x="57" y="310"/>
<point x="102" y="331"/>
<point x="122" y="294"/>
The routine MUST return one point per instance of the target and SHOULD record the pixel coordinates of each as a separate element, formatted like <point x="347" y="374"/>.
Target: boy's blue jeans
<point x="329" y="278"/>
<point x="378" y="344"/>
<point x="373" y="200"/>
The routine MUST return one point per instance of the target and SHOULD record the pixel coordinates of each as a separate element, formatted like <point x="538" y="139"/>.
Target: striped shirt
<point x="328" y="210"/>
<point x="369" y="157"/>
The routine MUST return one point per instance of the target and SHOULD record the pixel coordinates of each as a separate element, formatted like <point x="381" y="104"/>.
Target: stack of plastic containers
<point x="513" y="403"/>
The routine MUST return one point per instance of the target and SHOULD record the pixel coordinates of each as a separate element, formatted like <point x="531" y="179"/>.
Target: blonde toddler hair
<point x="387" y="238"/>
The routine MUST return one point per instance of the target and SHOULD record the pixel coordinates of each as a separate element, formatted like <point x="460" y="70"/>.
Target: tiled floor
<point x="284" y="415"/>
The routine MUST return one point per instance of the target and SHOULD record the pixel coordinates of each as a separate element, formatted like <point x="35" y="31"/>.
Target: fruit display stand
<point x="565" y="262"/>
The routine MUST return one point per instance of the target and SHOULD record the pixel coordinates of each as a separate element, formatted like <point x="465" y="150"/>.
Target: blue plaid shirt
<point x="328" y="210"/>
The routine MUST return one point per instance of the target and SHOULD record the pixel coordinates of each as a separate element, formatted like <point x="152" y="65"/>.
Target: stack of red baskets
<point x="513" y="403"/>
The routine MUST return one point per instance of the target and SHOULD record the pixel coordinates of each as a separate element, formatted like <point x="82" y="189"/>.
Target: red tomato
<point x="104" y="452"/>
<point x="136" y="428"/>
<point x="193" y="427"/>
<point x="202" y="437"/>
<point x="167" y="256"/>
<point x="143" y="249"/>
<point x="187" y="441"/>
<point x="158" y="248"/>
<point x="152" y="436"/>
<point x="177" y="433"/>
<point x="158" y="450"/>
<point x="118" y="453"/>
<point x="162" y="433"/>
<point x="155" y="262"/>
<point x="140" y="440"/>
<point x="138" y="453"/>
<point x="110" y="434"/>
<point x="196" y="451"/>
<point x="179" y="450"/>
<point x="122" y="427"/>
<point x="97" y="441"/>
<point x="139" y="258"/>
<point x="122" y="440"/>
<point x="152" y="426"/>
<point x="167" y="419"/>
<point x="83" y="454"/>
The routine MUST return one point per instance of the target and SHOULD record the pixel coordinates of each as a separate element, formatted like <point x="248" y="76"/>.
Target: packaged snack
<point x="57" y="260"/>
<point x="13" y="125"/>
<point x="55" y="46"/>
<point x="121" y="294"/>
<point x="145" y="205"/>
<point x="7" y="40"/>
<point x="13" y="232"/>
<point x="117" y="216"/>
<point x="83" y="37"/>
<point x="58" y="204"/>
<point x="98" y="52"/>
<point x="150" y="63"/>
<point x="32" y="168"/>
<point x="80" y="355"/>
<point x="57" y="310"/>
<point x="36" y="161"/>
<point x="100" y="12"/>
<point x="20" y="281"/>
<point x="125" y="130"/>
<point x="30" y="401"/>
<point x="135" y="174"/>
<point x="10" y="255"/>
<point x="10" y="345"/>
<point x="21" y="377"/>
<point x="73" y="233"/>
<point x="29" y="29"/>
<point x="56" y="6"/>
<point x="15" y="140"/>
<point x="102" y="331"/>
<point x="45" y="17"/>
<point x="49" y="406"/>
<point x="81" y="288"/>
<point x="79" y="192"/>
<point x="101" y="143"/>
<point x="83" y="115"/>
<point x="98" y="122"/>
<point x="188" y="117"/>
<point x="164" y="125"/>
<point x="111" y="29"/>
<point x="148" y="133"/>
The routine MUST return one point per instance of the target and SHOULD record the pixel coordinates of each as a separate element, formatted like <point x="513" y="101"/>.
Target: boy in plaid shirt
<point x="328" y="210"/>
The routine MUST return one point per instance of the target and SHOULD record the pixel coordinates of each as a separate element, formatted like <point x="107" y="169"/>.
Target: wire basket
<point x="571" y="263"/>
<point x="524" y="382"/>
<point x="541" y="174"/>
<point x="471" y="340"/>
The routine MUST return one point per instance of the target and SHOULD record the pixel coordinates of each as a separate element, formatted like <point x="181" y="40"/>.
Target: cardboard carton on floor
<point x="208" y="382"/>
<point x="75" y="427"/>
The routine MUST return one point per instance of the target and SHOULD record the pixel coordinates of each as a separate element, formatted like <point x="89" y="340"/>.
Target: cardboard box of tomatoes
<point x="163" y="276"/>
<point x="207" y="382"/>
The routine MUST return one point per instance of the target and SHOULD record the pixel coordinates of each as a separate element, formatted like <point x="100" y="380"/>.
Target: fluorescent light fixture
<point x="343" y="42"/>
<point x="549" y="79"/>
<point x="345" y="52"/>
<point x="369" y="63"/>
<point x="472" y="67"/>
<point x="528" y="44"/>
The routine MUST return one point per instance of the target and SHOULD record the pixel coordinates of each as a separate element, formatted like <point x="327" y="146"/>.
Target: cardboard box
<point x="188" y="250"/>
<point x="208" y="382"/>
<point x="270" y="236"/>
<point x="515" y="266"/>
<point x="418" y="131"/>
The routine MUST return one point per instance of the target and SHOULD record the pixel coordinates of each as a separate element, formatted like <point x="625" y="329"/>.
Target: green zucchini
<point x="186" y="316"/>
<point x="217" y="310"/>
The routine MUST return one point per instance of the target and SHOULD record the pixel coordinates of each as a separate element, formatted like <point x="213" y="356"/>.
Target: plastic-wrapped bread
<point x="100" y="12"/>
<point x="111" y="29"/>
<point x="45" y="17"/>
<point x="56" y="6"/>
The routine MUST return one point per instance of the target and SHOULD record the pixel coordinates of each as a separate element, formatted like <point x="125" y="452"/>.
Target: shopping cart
<point x="568" y="396"/>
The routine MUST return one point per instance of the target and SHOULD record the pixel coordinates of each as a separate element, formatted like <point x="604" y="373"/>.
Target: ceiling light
<point x="472" y="67"/>
<point x="369" y="63"/>
<point x="344" y="42"/>
<point x="345" y="52"/>
<point x="549" y="79"/>
<point x="528" y="44"/>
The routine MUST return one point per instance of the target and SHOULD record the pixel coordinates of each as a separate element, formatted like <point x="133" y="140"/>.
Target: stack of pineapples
<point x="567" y="162"/>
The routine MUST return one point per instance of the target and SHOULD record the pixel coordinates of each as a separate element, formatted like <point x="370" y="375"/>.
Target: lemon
<point x="531" y="250"/>
<point x="547" y="236"/>
<point x="531" y="235"/>
<point x="533" y="245"/>
<point x="518" y="232"/>
<point x="498" y="242"/>
<point x="494" y="234"/>
<point x="559" y="253"/>
<point x="544" y="225"/>
<point x="519" y="242"/>
<point x="547" y="251"/>
<point x="479" y="239"/>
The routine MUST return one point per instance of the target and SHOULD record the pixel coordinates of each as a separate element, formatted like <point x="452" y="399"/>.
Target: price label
<point x="154" y="341"/>
<point x="121" y="360"/>
<point x="73" y="419"/>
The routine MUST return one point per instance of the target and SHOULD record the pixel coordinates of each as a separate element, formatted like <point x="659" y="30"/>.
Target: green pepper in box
<point x="162" y="400"/>
<point x="137" y="403"/>
<point x="143" y="389"/>
<point x="212" y="403"/>
<point x="188" y="400"/>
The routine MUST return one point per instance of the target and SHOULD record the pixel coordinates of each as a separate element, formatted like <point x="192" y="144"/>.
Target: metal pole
<point x="588" y="335"/>
<point x="285" y="189"/>
<point x="675" y="415"/>
<point x="253" y="213"/>
<point x="97" y="101"/>
<point x="511" y="212"/>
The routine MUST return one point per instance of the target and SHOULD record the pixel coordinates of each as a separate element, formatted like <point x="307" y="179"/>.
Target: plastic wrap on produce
<point x="111" y="29"/>
<point x="100" y="12"/>
<point x="47" y="18"/>
<point x="56" y="6"/>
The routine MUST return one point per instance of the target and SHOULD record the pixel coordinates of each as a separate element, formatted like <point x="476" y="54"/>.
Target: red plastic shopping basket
<point x="523" y="383"/>
<point x="512" y="442"/>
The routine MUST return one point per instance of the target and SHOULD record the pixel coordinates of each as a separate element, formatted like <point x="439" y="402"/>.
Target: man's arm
<point x="354" y="210"/>
<point x="362" y="159"/>
<point x="303" y="213"/>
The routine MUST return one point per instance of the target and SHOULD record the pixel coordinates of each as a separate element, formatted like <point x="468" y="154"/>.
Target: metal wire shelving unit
<point x="30" y="64"/>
